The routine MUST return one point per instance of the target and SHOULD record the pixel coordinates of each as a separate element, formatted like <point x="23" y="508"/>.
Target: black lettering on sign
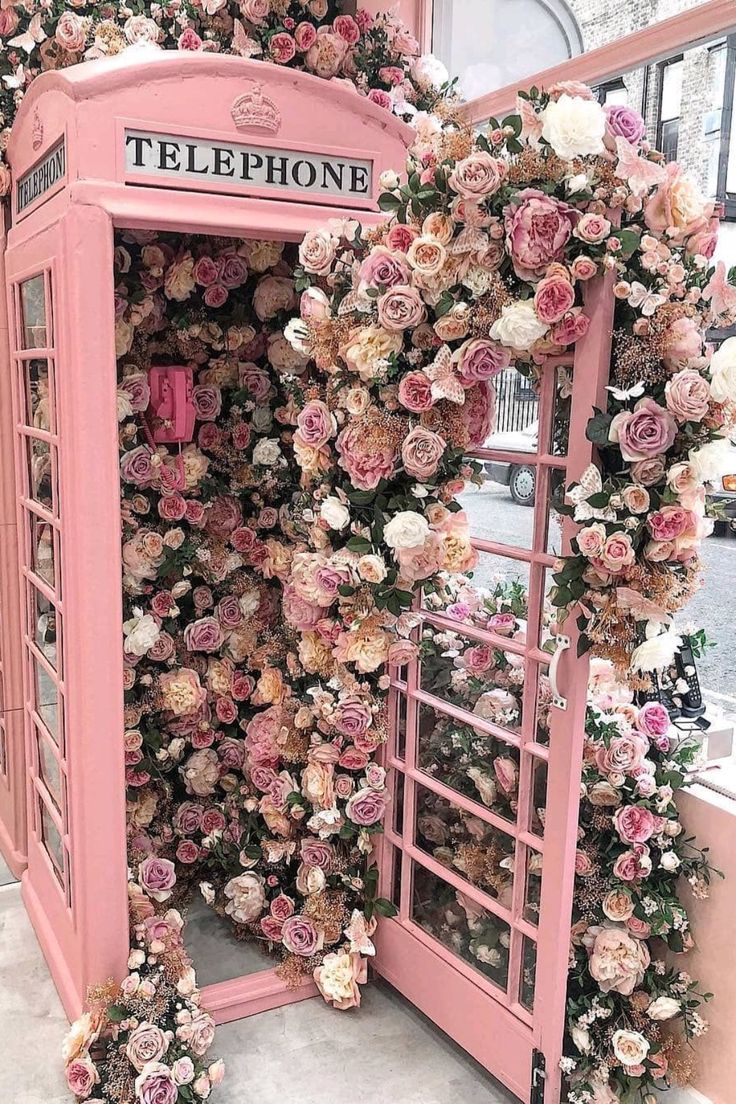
<point x="238" y="166"/>
<point x="41" y="178"/>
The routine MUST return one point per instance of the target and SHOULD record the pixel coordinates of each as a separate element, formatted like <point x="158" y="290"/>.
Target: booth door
<point x="66" y="500"/>
<point x="479" y="851"/>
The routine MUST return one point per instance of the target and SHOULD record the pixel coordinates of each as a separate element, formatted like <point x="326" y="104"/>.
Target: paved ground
<point x="495" y="516"/>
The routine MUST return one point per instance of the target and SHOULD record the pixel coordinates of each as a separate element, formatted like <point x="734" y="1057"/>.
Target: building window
<point x="670" y="101"/>
<point x="488" y="45"/>
<point x="612" y="92"/>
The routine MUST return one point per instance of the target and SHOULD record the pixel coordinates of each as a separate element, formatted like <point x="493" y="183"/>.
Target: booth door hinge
<point x="538" y="1078"/>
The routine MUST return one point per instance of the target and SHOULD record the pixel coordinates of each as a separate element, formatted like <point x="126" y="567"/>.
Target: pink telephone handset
<point x="172" y="405"/>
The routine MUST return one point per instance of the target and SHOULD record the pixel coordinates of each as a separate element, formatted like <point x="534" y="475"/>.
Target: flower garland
<point x="376" y="54"/>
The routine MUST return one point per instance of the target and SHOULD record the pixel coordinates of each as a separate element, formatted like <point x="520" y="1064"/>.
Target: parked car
<point x="725" y="496"/>
<point x="521" y="479"/>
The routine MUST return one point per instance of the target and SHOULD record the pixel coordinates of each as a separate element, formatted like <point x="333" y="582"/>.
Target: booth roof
<point x="145" y="65"/>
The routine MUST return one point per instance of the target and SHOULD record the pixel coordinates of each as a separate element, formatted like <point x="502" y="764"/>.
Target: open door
<point x="479" y="852"/>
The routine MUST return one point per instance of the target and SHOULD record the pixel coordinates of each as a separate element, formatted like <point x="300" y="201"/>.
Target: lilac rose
<point x="624" y="122"/>
<point x="203" y="635"/>
<point x="366" y="807"/>
<point x="300" y="936"/>
<point x="157" y="877"/>
<point x="647" y="430"/>
<point x="155" y="1085"/>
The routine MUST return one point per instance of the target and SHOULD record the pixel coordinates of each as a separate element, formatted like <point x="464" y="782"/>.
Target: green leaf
<point x="116" y="1013"/>
<point x="387" y="201"/>
<point x="598" y="427"/>
<point x="385" y="907"/>
<point x="359" y="544"/>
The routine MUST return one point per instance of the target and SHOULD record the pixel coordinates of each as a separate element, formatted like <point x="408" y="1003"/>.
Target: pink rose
<point x="135" y="466"/>
<point x="157" y="877"/>
<point x="583" y="268"/>
<point x="135" y="386"/>
<point x="172" y="507"/>
<point x="683" y="342"/>
<point x="365" y="461"/>
<point x="592" y="228"/>
<point x="624" y="122"/>
<point x="634" y="823"/>
<point x="422" y="452"/>
<point x="233" y="271"/>
<point x="478" y="412"/>
<point x="648" y="472"/>
<point x="272" y="928"/>
<point x="71" y="32"/>
<point x="155" y="1085"/>
<point x="570" y="328"/>
<point x="502" y="623"/>
<point x="81" y="1077"/>
<point x="315" y="424"/>
<point x="624" y="755"/>
<point x="399" y="238"/>
<point x="653" y="720"/>
<point x="646" y="431"/>
<point x="189" y="40"/>
<point x="224" y="515"/>
<point x="347" y="28"/>
<point x="477" y="176"/>
<point x="300" y="936"/>
<point x="553" y="298"/>
<point x="366" y="807"/>
<point x="203" y="635"/>
<point x="381" y="98"/>
<point x="669" y="523"/>
<point x="507" y="773"/>
<point x="146" y="1043"/>
<point x="305" y="36"/>
<point x="687" y="396"/>
<point x="480" y="359"/>
<point x="205" y="271"/>
<point x="391" y="74"/>
<point x="188" y="818"/>
<point x="353" y="759"/>
<point x="401" y="308"/>
<point x="415" y="393"/>
<point x="255" y="11"/>
<point x="8" y="22"/>
<point x="617" y="552"/>
<point x="326" y="54"/>
<point x="352" y="717"/>
<point x="478" y="658"/>
<point x="207" y="402"/>
<point x="215" y="296"/>
<point x="317" y="853"/>
<point x="538" y="228"/>
<point x="282" y="907"/>
<point x="634" y="864"/>
<point x="386" y="267"/>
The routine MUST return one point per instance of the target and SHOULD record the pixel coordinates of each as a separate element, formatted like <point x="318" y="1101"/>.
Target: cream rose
<point x="574" y="127"/>
<point x="630" y="1047"/>
<point x="372" y="569"/>
<point x="664" y="1008"/>
<point x="334" y="513"/>
<point x="518" y="327"/>
<point x="246" y="897"/>
<point x="406" y="529"/>
<point x="723" y="371"/>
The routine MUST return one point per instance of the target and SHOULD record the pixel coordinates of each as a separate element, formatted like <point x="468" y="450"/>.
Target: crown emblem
<point x="253" y="109"/>
<point x="36" y="131"/>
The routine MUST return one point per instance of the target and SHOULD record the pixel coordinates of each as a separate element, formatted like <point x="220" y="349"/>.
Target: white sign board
<point x="237" y="166"/>
<point x="44" y="176"/>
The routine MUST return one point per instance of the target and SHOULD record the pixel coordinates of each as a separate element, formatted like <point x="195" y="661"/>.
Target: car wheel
<point x="522" y="484"/>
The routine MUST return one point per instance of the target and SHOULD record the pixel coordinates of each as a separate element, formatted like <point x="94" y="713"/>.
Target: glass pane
<point x="458" y="923"/>
<point x="538" y="810"/>
<point x="484" y="680"/>
<point x="492" y="512"/>
<point x="401" y="726"/>
<point x="544" y="703"/>
<point x="33" y="312"/>
<point x="45" y="626"/>
<point x="560" y="429"/>
<point x="671" y="90"/>
<point x="528" y="974"/>
<point x="42" y="549"/>
<point x="555" y="499"/>
<point x="51" y="839"/>
<point x="516" y="421"/>
<point x="38" y="412"/>
<point x="46" y="698"/>
<point x="40" y="473"/>
<point x="3" y="749"/>
<point x="398" y="803"/>
<point x="532" y="886"/>
<point x="465" y="844"/>
<point x="474" y="764"/>
<point x="49" y="769"/>
<point x="396" y="879"/>
<point x="499" y="586"/>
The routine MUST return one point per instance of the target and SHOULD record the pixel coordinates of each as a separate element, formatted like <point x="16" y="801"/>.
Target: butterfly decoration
<point x="721" y="294"/>
<point x="638" y="172"/>
<point x="622" y="395"/>
<point x="15" y="80"/>
<point x="359" y="931"/>
<point x="243" y="44"/>
<point x="31" y="37"/>
<point x="643" y="609"/>
<point x="647" y="301"/>
<point x="355" y="301"/>
<point x="590" y="484"/>
<point x="469" y="240"/>
<point x="445" y="384"/>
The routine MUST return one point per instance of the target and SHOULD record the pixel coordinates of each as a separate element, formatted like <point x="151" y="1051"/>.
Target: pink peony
<point x="422" y="452"/>
<point x="687" y="396"/>
<point x="401" y="308"/>
<point x="634" y="864"/>
<point x="538" y="228"/>
<point x="553" y="297"/>
<point x="670" y="522"/>
<point x="653" y="720"/>
<point x="282" y="48"/>
<point x="415" y="393"/>
<point x="81" y="1077"/>
<point x="634" y="823"/>
<point x="364" y="460"/>
<point x="477" y="176"/>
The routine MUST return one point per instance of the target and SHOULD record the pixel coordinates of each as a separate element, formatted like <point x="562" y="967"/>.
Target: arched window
<point x="490" y="43"/>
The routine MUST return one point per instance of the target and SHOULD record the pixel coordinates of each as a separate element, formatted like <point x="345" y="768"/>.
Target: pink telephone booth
<point x="167" y="141"/>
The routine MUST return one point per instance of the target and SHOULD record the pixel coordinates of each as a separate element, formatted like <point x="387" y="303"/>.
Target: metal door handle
<point x="563" y="643"/>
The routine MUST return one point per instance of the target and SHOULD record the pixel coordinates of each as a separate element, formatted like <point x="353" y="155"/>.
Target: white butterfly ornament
<point x="590" y="484"/>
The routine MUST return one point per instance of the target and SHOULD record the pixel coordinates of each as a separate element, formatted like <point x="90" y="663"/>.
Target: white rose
<point x="406" y="530"/>
<point x="663" y="1008"/>
<point x="581" y="1039"/>
<point x="267" y="452"/>
<point x="141" y="633"/>
<point x="388" y="180"/>
<point x="429" y="72"/>
<point x="334" y="513"/>
<point x="630" y="1047"/>
<point x="297" y="334"/>
<point x="372" y="568"/>
<point x="518" y="327"/>
<point x="723" y="371"/>
<point x="489" y="955"/>
<point x="712" y="460"/>
<point x="574" y="127"/>
<point x="246" y="898"/>
<point x="669" y="862"/>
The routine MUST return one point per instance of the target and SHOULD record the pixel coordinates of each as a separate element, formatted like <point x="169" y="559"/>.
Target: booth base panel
<point x="15" y="859"/>
<point x="246" y="996"/>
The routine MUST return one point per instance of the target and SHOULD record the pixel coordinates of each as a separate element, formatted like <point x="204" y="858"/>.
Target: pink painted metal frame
<point x="494" y="1025"/>
<point x="82" y="924"/>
